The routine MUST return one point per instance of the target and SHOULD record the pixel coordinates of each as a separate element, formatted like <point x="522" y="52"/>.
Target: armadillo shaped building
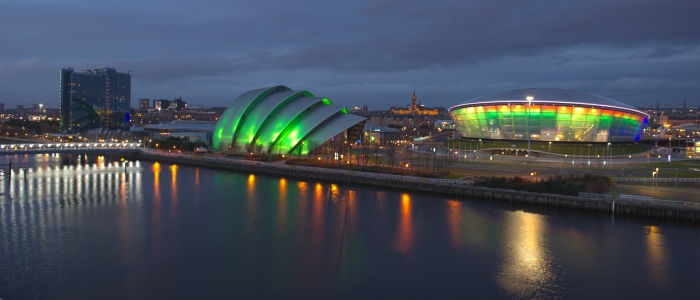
<point x="280" y="120"/>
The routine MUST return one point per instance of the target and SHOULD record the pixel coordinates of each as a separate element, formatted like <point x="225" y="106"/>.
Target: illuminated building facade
<point x="98" y="92"/>
<point x="415" y="109"/>
<point x="552" y="115"/>
<point x="280" y="120"/>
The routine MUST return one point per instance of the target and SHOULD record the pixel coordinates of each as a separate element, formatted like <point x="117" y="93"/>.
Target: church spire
<point x="413" y="101"/>
<point x="657" y="107"/>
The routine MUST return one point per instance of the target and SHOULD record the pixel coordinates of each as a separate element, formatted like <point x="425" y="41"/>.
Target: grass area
<point x="682" y="164"/>
<point x="453" y="176"/>
<point x="556" y="147"/>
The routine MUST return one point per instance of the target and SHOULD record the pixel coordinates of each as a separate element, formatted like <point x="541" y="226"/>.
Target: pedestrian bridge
<point x="30" y="148"/>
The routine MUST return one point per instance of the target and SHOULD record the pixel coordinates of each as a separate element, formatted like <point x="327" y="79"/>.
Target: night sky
<point x="356" y="52"/>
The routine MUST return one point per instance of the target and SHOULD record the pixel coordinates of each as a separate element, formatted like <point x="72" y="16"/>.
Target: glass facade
<point x="548" y="122"/>
<point x="105" y="90"/>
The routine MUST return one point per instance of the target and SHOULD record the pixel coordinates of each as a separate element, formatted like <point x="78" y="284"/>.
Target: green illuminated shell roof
<point x="279" y="120"/>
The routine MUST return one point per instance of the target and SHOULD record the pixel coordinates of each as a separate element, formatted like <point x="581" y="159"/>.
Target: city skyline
<point x="372" y="52"/>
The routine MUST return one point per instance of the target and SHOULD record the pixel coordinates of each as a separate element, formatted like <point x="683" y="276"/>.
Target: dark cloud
<point x="371" y="50"/>
<point x="666" y="51"/>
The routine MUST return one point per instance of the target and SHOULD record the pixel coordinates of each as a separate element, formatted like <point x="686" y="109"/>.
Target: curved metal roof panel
<point x="258" y="114"/>
<point x="278" y="121"/>
<point x="333" y="127"/>
<point x="303" y="124"/>
<point x="548" y="95"/>
<point x="264" y="118"/>
<point x="229" y="120"/>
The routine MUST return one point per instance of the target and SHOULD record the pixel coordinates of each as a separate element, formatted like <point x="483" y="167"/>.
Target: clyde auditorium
<point x="552" y="115"/>
<point x="279" y="120"/>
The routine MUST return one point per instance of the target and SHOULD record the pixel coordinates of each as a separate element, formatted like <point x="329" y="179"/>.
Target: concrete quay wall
<point x="329" y="175"/>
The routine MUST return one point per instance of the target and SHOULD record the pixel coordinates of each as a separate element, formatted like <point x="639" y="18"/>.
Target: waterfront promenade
<point x="642" y="206"/>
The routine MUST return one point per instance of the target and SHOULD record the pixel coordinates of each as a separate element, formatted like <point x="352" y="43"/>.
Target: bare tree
<point x="299" y="150"/>
<point x="311" y="146"/>
<point x="391" y="154"/>
<point x="377" y="152"/>
<point x="365" y="155"/>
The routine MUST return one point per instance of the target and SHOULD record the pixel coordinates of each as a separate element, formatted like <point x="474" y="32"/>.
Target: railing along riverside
<point x="451" y="182"/>
<point x="594" y="196"/>
<point x="657" y="179"/>
<point x="622" y="198"/>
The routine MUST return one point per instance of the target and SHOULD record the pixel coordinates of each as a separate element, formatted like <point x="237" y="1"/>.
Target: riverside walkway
<point x="624" y="204"/>
<point x="38" y="148"/>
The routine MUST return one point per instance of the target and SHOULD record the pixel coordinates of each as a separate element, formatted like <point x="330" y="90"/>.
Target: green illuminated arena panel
<point x="548" y="122"/>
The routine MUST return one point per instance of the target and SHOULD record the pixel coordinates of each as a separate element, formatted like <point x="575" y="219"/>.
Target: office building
<point x="144" y="103"/>
<point x="89" y="98"/>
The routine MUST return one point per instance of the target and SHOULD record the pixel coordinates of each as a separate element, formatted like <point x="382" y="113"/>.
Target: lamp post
<point x="611" y="156"/>
<point x="653" y="175"/>
<point x="529" y="102"/>
<point x="608" y="153"/>
<point x="550" y="147"/>
<point x="40" y="110"/>
<point x="481" y="144"/>
<point x="657" y="173"/>
<point x="159" y="115"/>
<point x="676" y="182"/>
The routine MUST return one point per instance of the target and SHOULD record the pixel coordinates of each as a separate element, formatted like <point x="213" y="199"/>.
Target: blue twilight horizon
<point x="358" y="52"/>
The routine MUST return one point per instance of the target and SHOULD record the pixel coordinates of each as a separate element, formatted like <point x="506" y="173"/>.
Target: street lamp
<point x="610" y="155"/>
<point x="481" y="144"/>
<point x="653" y="175"/>
<point x="550" y="147"/>
<point x="40" y="110"/>
<point x="529" y="102"/>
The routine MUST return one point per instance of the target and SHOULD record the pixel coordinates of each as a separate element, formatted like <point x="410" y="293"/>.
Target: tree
<point x="299" y="150"/>
<point x="312" y="145"/>
<point x="391" y="154"/>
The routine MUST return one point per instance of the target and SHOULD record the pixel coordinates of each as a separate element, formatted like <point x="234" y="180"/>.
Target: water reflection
<point x="656" y="255"/>
<point x="83" y="230"/>
<point x="405" y="234"/>
<point x="454" y="223"/>
<point x="525" y="271"/>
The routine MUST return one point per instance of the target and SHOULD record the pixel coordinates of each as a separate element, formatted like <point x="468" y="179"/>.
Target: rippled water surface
<point x="95" y="228"/>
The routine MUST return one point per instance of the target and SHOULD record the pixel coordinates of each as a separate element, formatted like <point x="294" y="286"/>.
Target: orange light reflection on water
<point x="251" y="199"/>
<point x="526" y="268"/>
<point x="156" y="182"/>
<point x="173" y="182"/>
<point x="405" y="232"/>
<point x="454" y="221"/>
<point x="196" y="178"/>
<point x="282" y="211"/>
<point x="656" y="251"/>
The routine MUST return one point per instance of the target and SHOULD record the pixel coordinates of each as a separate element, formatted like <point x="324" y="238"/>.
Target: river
<point x="92" y="228"/>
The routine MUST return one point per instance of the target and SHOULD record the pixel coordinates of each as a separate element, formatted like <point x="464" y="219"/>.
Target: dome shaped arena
<point x="282" y="121"/>
<point x="550" y="115"/>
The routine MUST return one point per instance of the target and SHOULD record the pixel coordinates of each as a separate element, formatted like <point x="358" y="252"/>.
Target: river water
<point x="92" y="228"/>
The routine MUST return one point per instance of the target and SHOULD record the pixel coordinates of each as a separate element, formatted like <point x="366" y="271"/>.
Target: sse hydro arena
<point x="552" y="115"/>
